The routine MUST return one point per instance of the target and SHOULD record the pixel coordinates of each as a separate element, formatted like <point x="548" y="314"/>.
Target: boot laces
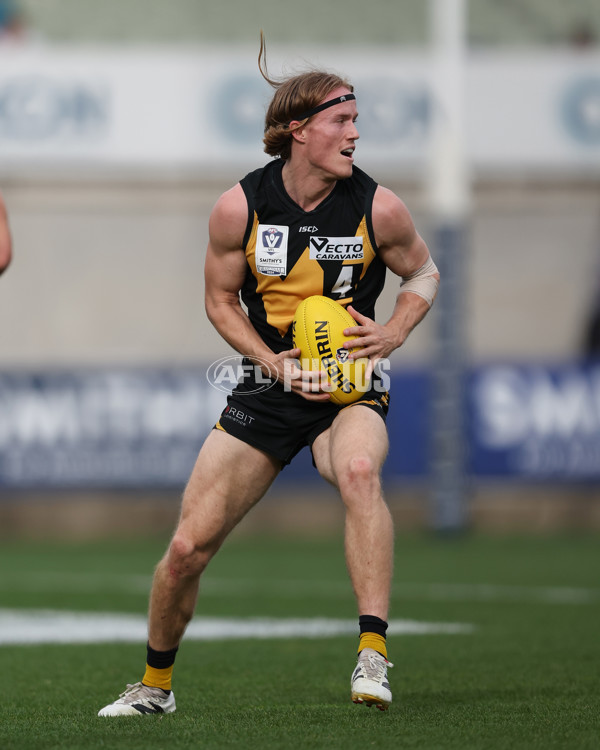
<point x="138" y="691"/>
<point x="375" y="665"/>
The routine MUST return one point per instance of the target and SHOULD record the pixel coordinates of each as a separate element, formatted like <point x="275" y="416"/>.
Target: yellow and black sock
<point x="159" y="668"/>
<point x="372" y="634"/>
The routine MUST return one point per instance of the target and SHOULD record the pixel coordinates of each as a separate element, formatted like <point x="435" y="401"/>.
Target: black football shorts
<point x="281" y="423"/>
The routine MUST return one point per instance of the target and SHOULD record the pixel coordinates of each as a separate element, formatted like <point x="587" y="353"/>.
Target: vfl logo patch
<point x="272" y="238"/>
<point x="336" y="248"/>
<point x="271" y="249"/>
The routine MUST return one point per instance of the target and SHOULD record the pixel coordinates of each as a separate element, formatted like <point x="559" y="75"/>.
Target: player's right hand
<point x="313" y="385"/>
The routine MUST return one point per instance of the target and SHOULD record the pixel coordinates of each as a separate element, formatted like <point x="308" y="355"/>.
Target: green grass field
<point x="527" y="676"/>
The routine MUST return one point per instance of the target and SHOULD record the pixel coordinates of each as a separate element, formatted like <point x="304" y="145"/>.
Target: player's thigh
<point x="229" y="477"/>
<point x="357" y="436"/>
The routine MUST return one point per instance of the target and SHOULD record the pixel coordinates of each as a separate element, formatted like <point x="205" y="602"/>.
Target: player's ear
<point x="297" y="131"/>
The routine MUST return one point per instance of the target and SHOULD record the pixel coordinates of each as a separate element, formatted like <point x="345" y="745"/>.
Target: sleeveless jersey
<point x="293" y="254"/>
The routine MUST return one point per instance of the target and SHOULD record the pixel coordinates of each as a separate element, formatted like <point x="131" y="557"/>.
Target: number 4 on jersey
<point x="345" y="281"/>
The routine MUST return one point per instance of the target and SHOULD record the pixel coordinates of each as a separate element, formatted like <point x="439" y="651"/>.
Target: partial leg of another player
<point x="227" y="481"/>
<point x="350" y="455"/>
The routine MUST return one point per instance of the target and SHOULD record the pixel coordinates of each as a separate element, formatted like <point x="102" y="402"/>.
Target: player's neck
<point x="306" y="187"/>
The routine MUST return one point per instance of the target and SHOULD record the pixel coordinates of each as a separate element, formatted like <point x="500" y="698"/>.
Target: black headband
<point x="321" y="107"/>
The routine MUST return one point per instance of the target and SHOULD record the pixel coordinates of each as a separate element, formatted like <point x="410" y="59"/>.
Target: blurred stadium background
<point x="120" y="124"/>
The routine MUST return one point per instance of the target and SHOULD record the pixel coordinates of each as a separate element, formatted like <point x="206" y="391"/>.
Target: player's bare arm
<point x="405" y="253"/>
<point x="5" y="239"/>
<point x="224" y="273"/>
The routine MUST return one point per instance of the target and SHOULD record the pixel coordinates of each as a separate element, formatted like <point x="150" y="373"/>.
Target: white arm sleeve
<point x="422" y="282"/>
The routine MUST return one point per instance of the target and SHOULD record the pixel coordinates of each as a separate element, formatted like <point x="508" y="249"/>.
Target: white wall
<point x="203" y="111"/>
<point x="110" y="162"/>
<point x="112" y="273"/>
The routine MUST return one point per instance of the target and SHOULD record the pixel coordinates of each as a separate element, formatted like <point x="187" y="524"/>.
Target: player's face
<point x="330" y="136"/>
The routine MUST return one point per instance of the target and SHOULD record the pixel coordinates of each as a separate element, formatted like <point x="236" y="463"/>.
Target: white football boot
<point x="140" y="699"/>
<point x="369" y="682"/>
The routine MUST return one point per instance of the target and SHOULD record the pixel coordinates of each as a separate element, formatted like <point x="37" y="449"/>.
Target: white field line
<point x="293" y="589"/>
<point x="48" y="626"/>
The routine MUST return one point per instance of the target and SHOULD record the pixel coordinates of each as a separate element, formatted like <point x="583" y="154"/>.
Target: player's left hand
<point x="376" y="341"/>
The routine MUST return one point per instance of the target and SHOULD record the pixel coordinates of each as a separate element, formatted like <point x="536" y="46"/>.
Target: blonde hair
<point x="292" y="97"/>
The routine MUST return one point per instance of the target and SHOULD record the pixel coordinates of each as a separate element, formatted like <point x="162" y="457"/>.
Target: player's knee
<point x="186" y="557"/>
<point x="361" y="468"/>
<point x="358" y="472"/>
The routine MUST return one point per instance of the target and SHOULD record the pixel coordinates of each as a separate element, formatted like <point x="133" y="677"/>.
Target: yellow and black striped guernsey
<point x="293" y="254"/>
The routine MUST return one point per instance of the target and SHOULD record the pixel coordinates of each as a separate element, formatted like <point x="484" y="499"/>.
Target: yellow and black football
<point x="318" y="331"/>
